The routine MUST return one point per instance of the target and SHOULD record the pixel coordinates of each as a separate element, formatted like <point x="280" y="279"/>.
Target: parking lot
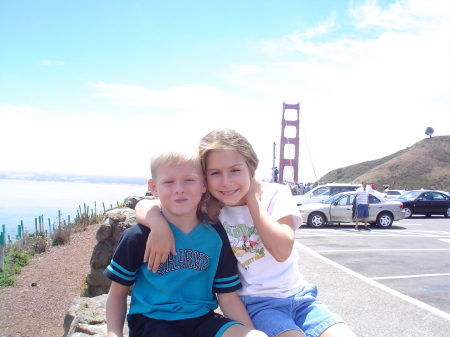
<point x="412" y="257"/>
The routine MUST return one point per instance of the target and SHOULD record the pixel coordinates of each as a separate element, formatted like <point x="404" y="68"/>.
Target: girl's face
<point x="228" y="176"/>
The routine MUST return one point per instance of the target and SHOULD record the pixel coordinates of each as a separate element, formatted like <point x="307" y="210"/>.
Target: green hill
<point x="426" y="164"/>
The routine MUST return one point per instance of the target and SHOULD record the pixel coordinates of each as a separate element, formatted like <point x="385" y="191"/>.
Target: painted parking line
<point x="376" y="284"/>
<point x="407" y="276"/>
<point x="372" y="232"/>
<point x="380" y="250"/>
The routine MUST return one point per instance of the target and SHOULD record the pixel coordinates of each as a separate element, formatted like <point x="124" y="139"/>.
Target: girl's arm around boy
<point x="161" y="242"/>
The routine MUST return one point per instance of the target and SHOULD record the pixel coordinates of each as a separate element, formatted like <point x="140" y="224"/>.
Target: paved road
<point x="402" y="273"/>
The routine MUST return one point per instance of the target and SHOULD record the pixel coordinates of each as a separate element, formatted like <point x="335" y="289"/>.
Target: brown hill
<point x="426" y="164"/>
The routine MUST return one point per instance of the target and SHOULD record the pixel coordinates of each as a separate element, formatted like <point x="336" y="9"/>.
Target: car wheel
<point x="408" y="212"/>
<point x="317" y="220"/>
<point x="385" y="220"/>
<point x="447" y="213"/>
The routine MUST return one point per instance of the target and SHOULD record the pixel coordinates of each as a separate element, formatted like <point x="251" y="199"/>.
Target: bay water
<point x="26" y="200"/>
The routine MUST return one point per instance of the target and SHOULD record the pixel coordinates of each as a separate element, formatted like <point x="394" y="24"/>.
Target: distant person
<point x="308" y="187"/>
<point x="296" y="187"/>
<point x="179" y="299"/>
<point x="275" y="174"/>
<point x="301" y="188"/>
<point x="362" y="205"/>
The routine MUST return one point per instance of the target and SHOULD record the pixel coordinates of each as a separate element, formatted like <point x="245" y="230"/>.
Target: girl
<point x="260" y="221"/>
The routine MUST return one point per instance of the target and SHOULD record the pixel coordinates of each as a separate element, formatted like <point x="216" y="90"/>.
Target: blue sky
<point x="95" y="87"/>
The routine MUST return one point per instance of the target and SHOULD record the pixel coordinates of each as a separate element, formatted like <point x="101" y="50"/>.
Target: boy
<point x="177" y="300"/>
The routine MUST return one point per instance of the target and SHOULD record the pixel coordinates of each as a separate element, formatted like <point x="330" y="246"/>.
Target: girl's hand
<point x="160" y="243"/>
<point x="254" y="191"/>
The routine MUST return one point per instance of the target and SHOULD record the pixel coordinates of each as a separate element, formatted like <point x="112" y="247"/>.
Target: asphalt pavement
<point x="369" y="308"/>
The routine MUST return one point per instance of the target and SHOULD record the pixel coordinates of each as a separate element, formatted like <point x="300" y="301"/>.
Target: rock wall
<point x="114" y="223"/>
<point x="87" y="314"/>
<point x="87" y="317"/>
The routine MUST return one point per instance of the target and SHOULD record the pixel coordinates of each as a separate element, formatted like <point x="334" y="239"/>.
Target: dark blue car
<point x="426" y="202"/>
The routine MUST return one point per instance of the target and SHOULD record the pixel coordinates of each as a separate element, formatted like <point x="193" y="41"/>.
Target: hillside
<point x="426" y="164"/>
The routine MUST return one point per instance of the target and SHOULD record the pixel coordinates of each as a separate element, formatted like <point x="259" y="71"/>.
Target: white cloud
<point x="394" y="83"/>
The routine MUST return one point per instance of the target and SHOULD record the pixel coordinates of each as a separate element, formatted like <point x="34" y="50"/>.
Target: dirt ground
<point x="38" y="311"/>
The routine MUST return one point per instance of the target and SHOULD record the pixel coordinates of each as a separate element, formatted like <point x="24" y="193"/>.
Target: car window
<point x="373" y="199"/>
<point x="426" y="196"/>
<point x="351" y="198"/>
<point x="393" y="193"/>
<point x="331" y="199"/>
<point x="321" y="191"/>
<point x="409" y="195"/>
<point x="343" y="201"/>
<point x="438" y="196"/>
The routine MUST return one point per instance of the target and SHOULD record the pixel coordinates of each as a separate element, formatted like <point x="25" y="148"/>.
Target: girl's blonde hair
<point x="223" y="140"/>
<point x="175" y="158"/>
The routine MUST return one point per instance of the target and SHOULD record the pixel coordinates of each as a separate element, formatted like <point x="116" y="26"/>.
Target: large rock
<point x="114" y="223"/>
<point x="87" y="317"/>
<point x="87" y="314"/>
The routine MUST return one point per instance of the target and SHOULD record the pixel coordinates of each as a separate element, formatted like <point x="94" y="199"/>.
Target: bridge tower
<point x="289" y="143"/>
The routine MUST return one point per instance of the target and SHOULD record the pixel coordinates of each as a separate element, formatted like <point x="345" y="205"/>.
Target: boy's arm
<point x="278" y="236"/>
<point x="160" y="242"/>
<point x="116" y="309"/>
<point x="233" y="308"/>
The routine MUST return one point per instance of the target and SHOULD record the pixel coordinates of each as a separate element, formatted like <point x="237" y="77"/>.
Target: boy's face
<point x="179" y="189"/>
<point x="228" y="176"/>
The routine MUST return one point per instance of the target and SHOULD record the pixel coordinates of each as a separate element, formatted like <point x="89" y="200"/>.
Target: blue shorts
<point x="209" y="325"/>
<point x="363" y="211"/>
<point x="302" y="312"/>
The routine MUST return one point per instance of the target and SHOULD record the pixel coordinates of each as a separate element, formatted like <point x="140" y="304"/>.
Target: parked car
<point x="338" y="209"/>
<point x="323" y="192"/>
<point x="393" y="194"/>
<point x="426" y="202"/>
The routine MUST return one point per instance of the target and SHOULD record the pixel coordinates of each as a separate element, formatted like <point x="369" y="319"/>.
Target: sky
<point x="97" y="87"/>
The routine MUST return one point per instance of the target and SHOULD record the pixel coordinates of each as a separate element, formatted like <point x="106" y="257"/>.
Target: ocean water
<point x="26" y="200"/>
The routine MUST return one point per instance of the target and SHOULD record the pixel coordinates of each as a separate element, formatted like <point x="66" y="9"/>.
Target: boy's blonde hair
<point x="175" y="158"/>
<point x="224" y="139"/>
<point x="172" y="158"/>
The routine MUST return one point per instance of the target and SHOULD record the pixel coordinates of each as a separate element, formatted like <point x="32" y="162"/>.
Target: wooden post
<point x="104" y="209"/>
<point x="59" y="218"/>
<point x="35" y="227"/>
<point x="2" y="247"/>
<point x="50" y="226"/>
<point x="19" y="237"/>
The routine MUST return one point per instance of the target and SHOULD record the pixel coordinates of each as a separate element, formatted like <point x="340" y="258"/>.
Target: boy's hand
<point x="160" y="243"/>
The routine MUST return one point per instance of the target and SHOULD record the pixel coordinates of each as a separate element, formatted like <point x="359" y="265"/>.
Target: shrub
<point x="61" y="236"/>
<point x="14" y="262"/>
<point x="37" y="244"/>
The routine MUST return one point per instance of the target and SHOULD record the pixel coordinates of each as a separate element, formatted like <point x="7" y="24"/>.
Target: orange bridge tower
<point x="289" y="143"/>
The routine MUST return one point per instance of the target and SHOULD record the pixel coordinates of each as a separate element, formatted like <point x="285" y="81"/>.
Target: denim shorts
<point x="363" y="211"/>
<point x="302" y="312"/>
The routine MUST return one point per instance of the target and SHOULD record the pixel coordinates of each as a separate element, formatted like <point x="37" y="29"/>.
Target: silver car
<point x="339" y="209"/>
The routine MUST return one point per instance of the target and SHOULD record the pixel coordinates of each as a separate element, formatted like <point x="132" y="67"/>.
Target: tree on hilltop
<point x="429" y="131"/>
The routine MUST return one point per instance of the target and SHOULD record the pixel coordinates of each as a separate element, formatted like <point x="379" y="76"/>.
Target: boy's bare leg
<point x="238" y="330"/>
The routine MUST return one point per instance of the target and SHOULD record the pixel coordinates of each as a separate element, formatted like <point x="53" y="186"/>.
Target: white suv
<point x="323" y="192"/>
